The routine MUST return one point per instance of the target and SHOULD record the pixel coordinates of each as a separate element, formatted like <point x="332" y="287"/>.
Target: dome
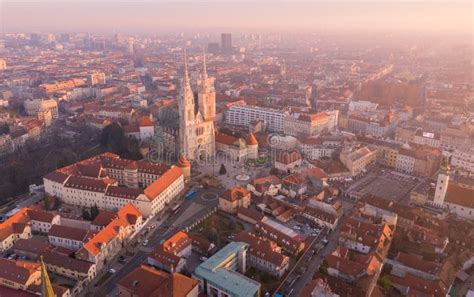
<point x="251" y="140"/>
<point x="183" y="162"/>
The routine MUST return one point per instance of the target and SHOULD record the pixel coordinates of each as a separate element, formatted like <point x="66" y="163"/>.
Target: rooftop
<point x="235" y="283"/>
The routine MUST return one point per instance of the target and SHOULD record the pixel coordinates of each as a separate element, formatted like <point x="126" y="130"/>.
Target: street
<point x="172" y="223"/>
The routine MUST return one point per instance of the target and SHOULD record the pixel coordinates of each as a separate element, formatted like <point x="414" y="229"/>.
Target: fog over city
<point x="236" y="148"/>
<point x="158" y="16"/>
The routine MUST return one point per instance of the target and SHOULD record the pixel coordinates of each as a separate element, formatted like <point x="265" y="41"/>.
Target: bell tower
<point x="207" y="94"/>
<point x="186" y="114"/>
<point x="442" y="183"/>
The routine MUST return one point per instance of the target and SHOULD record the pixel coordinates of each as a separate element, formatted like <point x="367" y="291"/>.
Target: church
<point x="196" y="138"/>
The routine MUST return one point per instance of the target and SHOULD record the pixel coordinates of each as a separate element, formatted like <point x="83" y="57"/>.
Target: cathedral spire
<point x="186" y="73"/>
<point x="204" y="67"/>
<point x="187" y="96"/>
<point x="46" y="287"/>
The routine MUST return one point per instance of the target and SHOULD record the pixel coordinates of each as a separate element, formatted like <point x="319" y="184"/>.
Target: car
<point x="297" y="227"/>
<point x="111" y="270"/>
<point x="153" y="226"/>
<point x="145" y="242"/>
<point x="325" y="241"/>
<point x="203" y="258"/>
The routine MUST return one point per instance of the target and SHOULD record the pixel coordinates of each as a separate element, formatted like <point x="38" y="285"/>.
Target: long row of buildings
<point x="109" y="182"/>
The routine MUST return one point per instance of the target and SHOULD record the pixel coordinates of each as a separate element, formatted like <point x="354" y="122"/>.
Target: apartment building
<point x="283" y="236"/>
<point x="323" y="214"/>
<point x="243" y="115"/>
<point x="18" y="274"/>
<point x="263" y="254"/>
<point x="387" y="151"/>
<point x="171" y="255"/>
<point x="69" y="267"/>
<point x="68" y="237"/>
<point x="365" y="237"/>
<point x="418" y="160"/>
<point x="463" y="158"/>
<point x="109" y="241"/>
<point x="14" y="228"/>
<point x="315" y="149"/>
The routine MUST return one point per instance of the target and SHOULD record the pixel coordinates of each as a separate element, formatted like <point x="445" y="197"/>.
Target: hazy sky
<point x="157" y="16"/>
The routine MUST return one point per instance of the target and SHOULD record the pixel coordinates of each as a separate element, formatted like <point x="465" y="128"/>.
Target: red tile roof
<point x="146" y="281"/>
<point x="163" y="182"/>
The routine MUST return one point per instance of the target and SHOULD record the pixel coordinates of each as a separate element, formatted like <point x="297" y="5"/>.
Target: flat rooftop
<point x="225" y="279"/>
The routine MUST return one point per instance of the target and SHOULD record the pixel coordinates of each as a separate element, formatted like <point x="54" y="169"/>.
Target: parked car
<point x="145" y="242"/>
<point x="111" y="270"/>
<point x="203" y="258"/>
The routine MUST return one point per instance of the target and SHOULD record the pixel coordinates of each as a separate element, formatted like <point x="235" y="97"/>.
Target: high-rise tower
<point x="226" y="43"/>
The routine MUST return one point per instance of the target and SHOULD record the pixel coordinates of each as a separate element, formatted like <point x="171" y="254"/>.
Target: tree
<point x="94" y="211"/>
<point x="222" y="170"/>
<point x="85" y="214"/>
<point x="213" y="236"/>
<point x="113" y="139"/>
<point x="324" y="267"/>
<point x="384" y="282"/>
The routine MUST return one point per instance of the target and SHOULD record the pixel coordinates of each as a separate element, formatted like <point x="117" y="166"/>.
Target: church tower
<point x="442" y="183"/>
<point x="196" y="130"/>
<point x="207" y="94"/>
<point x="186" y="113"/>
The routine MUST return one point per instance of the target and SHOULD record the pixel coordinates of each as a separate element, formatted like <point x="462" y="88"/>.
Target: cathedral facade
<point x="196" y="125"/>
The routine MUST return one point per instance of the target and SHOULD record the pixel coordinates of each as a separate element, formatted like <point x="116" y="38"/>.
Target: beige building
<point x="95" y="181"/>
<point x="418" y="160"/>
<point x="265" y="255"/>
<point x="33" y="106"/>
<point x="233" y="199"/>
<point x="356" y="160"/>
<point x="69" y="267"/>
<point x="14" y="228"/>
<point x="110" y="240"/>
<point x="307" y="124"/>
<point x="18" y="274"/>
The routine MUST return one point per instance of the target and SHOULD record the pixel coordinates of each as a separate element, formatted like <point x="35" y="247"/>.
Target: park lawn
<point x="217" y="228"/>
